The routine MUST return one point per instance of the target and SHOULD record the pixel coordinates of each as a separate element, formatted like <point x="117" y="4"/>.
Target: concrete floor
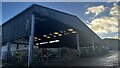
<point x="110" y="59"/>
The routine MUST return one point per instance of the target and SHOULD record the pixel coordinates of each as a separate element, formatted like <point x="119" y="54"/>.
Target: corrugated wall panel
<point x="62" y="17"/>
<point x="17" y="27"/>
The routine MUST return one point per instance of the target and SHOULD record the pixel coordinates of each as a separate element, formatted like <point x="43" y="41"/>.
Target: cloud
<point x="95" y="10"/>
<point x="116" y="37"/>
<point x="113" y="0"/>
<point x="114" y="11"/>
<point x="104" y="25"/>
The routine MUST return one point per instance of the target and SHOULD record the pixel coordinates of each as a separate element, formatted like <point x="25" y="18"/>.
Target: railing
<point x="15" y="56"/>
<point x="44" y="56"/>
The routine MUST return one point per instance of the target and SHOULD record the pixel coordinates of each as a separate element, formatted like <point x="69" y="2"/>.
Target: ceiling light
<point x="48" y="37"/>
<point x="67" y="33"/>
<point x="50" y="34"/>
<point x="37" y="43"/>
<point x="44" y="35"/>
<point x="39" y="39"/>
<point x="59" y="34"/>
<point x="54" y="41"/>
<point x="70" y="29"/>
<point x="74" y="32"/>
<point x="35" y="38"/>
<point x="56" y="33"/>
<point x="61" y="31"/>
<point x="43" y="43"/>
<point x="64" y="31"/>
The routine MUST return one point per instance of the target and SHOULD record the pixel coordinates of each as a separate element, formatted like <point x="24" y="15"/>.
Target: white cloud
<point x="103" y="25"/>
<point x="95" y="10"/>
<point x="87" y="12"/>
<point x="116" y="37"/>
<point x="113" y="0"/>
<point x="87" y="22"/>
<point x="114" y="11"/>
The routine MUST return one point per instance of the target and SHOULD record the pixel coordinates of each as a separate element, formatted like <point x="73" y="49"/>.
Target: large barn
<point x="47" y="28"/>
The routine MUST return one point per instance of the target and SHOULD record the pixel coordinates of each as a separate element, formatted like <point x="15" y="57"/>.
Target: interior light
<point x="50" y="34"/>
<point x="35" y="40"/>
<point x="70" y="29"/>
<point x="67" y="33"/>
<point x="64" y="31"/>
<point x="74" y="32"/>
<point x="48" y="37"/>
<point x="35" y="37"/>
<point x="54" y="41"/>
<point x="56" y="33"/>
<point x="61" y="31"/>
<point x="59" y="34"/>
<point x="37" y="43"/>
<point x="43" y="43"/>
<point x="44" y="35"/>
<point x="39" y="39"/>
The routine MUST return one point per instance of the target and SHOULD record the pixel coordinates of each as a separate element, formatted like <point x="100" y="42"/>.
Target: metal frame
<point x="31" y="41"/>
<point x="78" y="43"/>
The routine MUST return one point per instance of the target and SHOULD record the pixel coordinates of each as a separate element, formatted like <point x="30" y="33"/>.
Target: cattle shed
<point x="47" y="28"/>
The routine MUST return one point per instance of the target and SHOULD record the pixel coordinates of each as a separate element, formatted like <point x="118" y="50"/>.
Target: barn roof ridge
<point x="33" y="5"/>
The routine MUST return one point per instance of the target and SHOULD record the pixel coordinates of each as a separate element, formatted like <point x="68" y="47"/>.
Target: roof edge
<point x="18" y="14"/>
<point x="34" y="4"/>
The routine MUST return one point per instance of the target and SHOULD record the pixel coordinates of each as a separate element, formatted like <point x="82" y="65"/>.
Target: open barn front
<point x="53" y="41"/>
<point x="50" y="33"/>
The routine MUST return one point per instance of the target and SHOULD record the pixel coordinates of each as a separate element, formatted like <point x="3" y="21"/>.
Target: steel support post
<point x="78" y="44"/>
<point x="17" y="47"/>
<point x="93" y="46"/>
<point x="8" y="50"/>
<point x="31" y="42"/>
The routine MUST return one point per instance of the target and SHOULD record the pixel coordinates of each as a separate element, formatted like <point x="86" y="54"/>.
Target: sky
<point x="101" y="17"/>
<point x="60" y="0"/>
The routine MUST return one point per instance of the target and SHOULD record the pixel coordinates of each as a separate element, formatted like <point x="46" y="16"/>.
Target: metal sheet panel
<point x="17" y="27"/>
